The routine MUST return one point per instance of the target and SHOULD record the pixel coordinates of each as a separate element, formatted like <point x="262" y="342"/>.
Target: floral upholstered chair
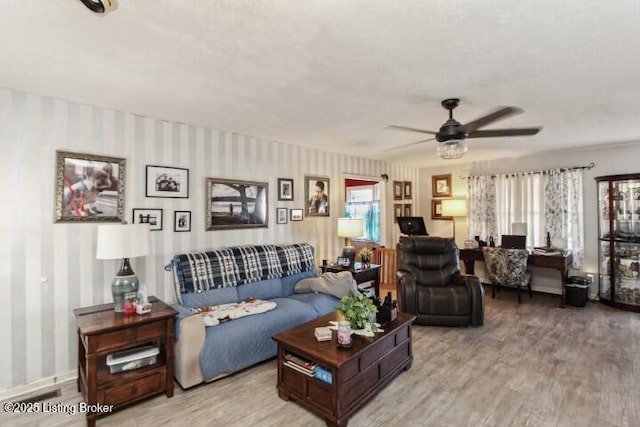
<point x="507" y="267"/>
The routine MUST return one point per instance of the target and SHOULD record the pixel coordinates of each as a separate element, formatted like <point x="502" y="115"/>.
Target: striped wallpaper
<point x="49" y="269"/>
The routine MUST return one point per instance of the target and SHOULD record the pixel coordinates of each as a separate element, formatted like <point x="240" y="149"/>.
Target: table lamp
<point x="454" y="208"/>
<point x="123" y="241"/>
<point x="347" y="228"/>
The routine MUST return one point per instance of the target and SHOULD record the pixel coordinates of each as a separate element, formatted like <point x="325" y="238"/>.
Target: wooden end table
<point x="102" y="331"/>
<point x="359" y="273"/>
<point x="358" y="373"/>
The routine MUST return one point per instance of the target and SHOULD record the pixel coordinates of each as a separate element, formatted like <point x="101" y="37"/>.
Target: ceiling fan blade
<point x="503" y="132"/>
<point x="412" y="129"/>
<point x="408" y="145"/>
<point x="490" y="118"/>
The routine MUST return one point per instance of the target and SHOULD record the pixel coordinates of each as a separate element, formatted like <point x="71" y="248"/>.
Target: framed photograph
<point x="407" y="210"/>
<point x="89" y="188"/>
<point x="164" y="181"/>
<point x="398" y="190"/>
<point x="182" y="221"/>
<point x="407" y="190"/>
<point x="436" y="210"/>
<point x="344" y="261"/>
<point x="397" y="211"/>
<point x="236" y="204"/>
<point x="281" y="215"/>
<point x="441" y="185"/>
<point x="296" y="214"/>
<point x="317" y="195"/>
<point x="285" y="190"/>
<point x="152" y="217"/>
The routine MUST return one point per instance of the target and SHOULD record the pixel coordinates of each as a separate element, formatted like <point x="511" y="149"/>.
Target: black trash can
<point x="577" y="291"/>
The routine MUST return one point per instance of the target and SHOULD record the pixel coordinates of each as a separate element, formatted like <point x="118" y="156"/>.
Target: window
<point x="548" y="202"/>
<point x="364" y="202"/>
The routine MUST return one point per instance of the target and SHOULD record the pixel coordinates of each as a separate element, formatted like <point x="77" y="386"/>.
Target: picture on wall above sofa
<point x="89" y="188"/>
<point x="164" y="181"/>
<point x="236" y="204"/>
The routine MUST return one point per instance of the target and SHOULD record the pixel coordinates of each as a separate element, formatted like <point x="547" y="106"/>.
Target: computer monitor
<point x="511" y="241"/>
<point x="412" y="225"/>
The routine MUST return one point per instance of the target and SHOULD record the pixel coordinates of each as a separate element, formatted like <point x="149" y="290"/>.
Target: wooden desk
<point x="557" y="262"/>
<point x="362" y="275"/>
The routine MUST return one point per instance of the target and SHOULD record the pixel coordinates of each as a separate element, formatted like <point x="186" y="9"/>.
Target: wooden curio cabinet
<point x="619" y="240"/>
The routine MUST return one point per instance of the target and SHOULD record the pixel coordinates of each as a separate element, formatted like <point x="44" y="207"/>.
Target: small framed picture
<point x="152" y="217"/>
<point x="295" y="214"/>
<point x="407" y="209"/>
<point x="436" y="210"/>
<point x="344" y="261"/>
<point x="285" y="189"/>
<point x="397" y="211"/>
<point x="281" y="215"/>
<point x="441" y="185"/>
<point x="398" y="190"/>
<point x="165" y="181"/>
<point x="182" y="221"/>
<point x="407" y="190"/>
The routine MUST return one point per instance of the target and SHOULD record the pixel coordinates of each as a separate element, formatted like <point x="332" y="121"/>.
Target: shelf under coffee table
<point x="358" y="373"/>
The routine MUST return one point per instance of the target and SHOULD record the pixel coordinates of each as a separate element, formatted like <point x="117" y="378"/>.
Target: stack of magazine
<point x="300" y="364"/>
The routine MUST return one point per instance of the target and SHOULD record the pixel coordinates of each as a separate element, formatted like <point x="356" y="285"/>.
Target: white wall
<point x="610" y="160"/>
<point x="49" y="269"/>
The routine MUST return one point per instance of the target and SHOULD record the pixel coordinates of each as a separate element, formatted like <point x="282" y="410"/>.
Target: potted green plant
<point x="357" y="309"/>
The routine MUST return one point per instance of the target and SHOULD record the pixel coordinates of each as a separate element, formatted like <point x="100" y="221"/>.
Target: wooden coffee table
<point x="357" y="373"/>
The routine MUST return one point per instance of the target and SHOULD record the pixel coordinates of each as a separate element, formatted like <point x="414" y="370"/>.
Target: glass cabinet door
<point x="627" y="273"/>
<point x="605" y="271"/>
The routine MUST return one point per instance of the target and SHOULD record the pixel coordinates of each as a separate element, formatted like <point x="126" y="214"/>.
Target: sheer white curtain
<point x="549" y="201"/>
<point x="520" y="198"/>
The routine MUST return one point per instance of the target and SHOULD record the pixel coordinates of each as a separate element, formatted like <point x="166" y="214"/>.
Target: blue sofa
<point x="230" y="275"/>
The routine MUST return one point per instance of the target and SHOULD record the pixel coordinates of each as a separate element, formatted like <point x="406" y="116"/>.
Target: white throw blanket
<point x="217" y="314"/>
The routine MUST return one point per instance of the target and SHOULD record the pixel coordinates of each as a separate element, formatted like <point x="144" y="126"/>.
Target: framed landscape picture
<point x="164" y="181"/>
<point x="317" y="195"/>
<point x="182" y="221"/>
<point x="285" y="189"/>
<point x="89" y="188"/>
<point x="152" y="217"/>
<point x="441" y="185"/>
<point x="236" y="204"/>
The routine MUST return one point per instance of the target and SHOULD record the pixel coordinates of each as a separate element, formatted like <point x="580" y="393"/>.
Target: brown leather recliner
<point x="431" y="286"/>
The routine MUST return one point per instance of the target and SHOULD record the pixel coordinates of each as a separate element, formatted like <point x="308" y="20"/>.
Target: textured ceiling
<point x="334" y="73"/>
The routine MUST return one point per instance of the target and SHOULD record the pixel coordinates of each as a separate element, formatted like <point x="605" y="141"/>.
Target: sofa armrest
<point x="189" y="336"/>
<point x="406" y="291"/>
<point x="476" y="293"/>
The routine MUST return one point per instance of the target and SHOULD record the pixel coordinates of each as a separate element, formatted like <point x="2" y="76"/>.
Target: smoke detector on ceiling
<point x="100" y="6"/>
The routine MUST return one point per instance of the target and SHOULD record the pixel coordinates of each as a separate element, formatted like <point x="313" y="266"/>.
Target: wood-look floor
<point x="532" y="364"/>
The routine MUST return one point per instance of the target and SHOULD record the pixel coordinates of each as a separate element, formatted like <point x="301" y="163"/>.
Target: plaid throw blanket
<point x="233" y="266"/>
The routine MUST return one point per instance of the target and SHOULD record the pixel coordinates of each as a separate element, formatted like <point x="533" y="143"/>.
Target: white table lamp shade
<point x="454" y="207"/>
<point x="117" y="241"/>
<point x="519" y="228"/>
<point x="350" y="227"/>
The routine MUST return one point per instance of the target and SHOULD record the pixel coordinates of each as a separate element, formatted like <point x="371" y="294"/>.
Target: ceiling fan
<point x="452" y="134"/>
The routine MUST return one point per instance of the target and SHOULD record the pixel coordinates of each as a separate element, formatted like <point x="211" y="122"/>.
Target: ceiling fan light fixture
<point x="452" y="149"/>
<point x="100" y="6"/>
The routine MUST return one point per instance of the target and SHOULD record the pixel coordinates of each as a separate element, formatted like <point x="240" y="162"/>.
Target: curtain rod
<point x="589" y="166"/>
